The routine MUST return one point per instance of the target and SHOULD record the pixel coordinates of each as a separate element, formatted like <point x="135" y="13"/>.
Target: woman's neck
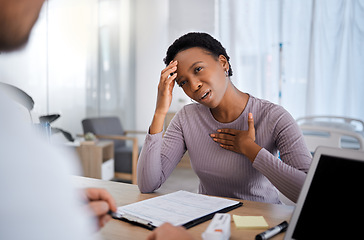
<point x="231" y="106"/>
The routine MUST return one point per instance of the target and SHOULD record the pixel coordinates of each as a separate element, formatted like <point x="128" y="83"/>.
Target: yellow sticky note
<point x="250" y="222"/>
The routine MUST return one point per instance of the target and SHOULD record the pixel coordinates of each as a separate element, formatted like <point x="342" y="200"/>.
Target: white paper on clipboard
<point x="176" y="208"/>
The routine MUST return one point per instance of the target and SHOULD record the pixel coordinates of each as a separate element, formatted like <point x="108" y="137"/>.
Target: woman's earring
<point x="226" y="73"/>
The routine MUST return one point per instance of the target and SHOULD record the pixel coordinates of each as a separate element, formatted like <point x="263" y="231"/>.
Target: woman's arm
<point x="152" y="170"/>
<point x="164" y="98"/>
<point x="160" y="155"/>
<point x="288" y="173"/>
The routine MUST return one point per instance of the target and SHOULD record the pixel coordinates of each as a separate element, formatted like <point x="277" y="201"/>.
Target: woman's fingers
<point x="251" y="128"/>
<point x="166" y="78"/>
<point x="167" y="74"/>
<point x="165" y="88"/>
<point x="224" y="142"/>
<point x="222" y="136"/>
<point x="229" y="131"/>
<point x="172" y="65"/>
<point x="228" y="147"/>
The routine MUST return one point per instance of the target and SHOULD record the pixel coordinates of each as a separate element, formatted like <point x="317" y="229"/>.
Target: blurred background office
<point x="89" y="58"/>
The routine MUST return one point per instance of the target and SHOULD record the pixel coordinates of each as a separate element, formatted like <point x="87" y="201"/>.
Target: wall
<point x="69" y="45"/>
<point x="67" y="68"/>
<point x="63" y="65"/>
<point x="151" y="23"/>
<point x="52" y="67"/>
<point x="159" y="23"/>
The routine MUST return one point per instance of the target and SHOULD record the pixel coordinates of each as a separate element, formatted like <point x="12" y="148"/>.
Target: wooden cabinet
<point x="97" y="159"/>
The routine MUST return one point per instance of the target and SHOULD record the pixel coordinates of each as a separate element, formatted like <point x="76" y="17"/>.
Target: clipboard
<point x="180" y="208"/>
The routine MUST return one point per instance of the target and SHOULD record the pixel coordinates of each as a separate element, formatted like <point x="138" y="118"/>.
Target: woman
<point x="232" y="154"/>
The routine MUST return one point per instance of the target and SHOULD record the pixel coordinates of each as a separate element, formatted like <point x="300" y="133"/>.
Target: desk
<point x="128" y="193"/>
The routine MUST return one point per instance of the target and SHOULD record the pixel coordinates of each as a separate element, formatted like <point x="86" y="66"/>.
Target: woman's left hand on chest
<point x="237" y="140"/>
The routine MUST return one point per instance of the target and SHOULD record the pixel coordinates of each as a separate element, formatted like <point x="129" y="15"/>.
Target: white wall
<point x="65" y="79"/>
<point x="69" y="31"/>
<point x="159" y="23"/>
<point x="151" y="43"/>
<point x="55" y="76"/>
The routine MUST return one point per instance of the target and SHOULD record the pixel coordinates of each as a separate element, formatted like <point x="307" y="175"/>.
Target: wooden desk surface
<point x="128" y="193"/>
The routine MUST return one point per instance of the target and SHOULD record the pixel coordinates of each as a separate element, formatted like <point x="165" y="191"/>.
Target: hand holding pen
<point x="100" y="203"/>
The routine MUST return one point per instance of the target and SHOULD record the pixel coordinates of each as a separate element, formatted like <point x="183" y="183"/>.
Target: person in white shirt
<point x="37" y="197"/>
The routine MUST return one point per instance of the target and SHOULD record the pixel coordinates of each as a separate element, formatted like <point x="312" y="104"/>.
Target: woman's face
<point x="202" y="76"/>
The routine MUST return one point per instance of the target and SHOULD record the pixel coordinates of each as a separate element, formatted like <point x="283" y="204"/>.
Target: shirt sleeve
<point x="160" y="155"/>
<point x="288" y="173"/>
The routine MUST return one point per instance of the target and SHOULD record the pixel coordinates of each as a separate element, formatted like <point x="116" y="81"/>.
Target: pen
<point x="114" y="215"/>
<point x="130" y="218"/>
<point x="272" y="231"/>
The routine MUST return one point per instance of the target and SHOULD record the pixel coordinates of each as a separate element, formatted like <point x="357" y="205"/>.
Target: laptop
<point x="331" y="203"/>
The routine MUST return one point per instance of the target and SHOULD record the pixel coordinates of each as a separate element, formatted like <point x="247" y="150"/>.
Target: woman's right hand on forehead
<point x="164" y="98"/>
<point x="165" y="88"/>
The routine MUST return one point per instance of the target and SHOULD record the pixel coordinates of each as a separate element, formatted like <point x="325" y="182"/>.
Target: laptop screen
<point x="334" y="203"/>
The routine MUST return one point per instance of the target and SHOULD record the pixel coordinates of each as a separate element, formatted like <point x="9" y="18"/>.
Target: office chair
<point x="125" y="157"/>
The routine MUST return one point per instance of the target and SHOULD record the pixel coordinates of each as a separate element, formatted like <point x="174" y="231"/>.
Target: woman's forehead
<point x="192" y="55"/>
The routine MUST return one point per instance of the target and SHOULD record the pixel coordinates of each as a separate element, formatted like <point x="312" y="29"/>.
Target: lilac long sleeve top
<point x="225" y="173"/>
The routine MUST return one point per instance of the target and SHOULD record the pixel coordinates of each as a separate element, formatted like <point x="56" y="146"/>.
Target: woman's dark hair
<point x="196" y="39"/>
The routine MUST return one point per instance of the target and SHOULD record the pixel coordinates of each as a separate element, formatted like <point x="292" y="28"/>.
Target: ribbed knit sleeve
<point x="149" y="168"/>
<point x="287" y="179"/>
<point x="159" y="156"/>
<point x="288" y="173"/>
